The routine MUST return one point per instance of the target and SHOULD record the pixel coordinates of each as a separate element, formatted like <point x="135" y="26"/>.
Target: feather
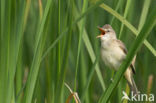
<point x="122" y="46"/>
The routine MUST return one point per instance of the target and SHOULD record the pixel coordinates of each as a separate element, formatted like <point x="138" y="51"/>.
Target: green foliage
<point x="135" y="47"/>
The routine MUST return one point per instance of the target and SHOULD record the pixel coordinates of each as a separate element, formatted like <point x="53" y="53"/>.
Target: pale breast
<point x="112" y="56"/>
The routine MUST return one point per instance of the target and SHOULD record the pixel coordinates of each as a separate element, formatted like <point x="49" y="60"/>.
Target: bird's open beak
<point x="99" y="36"/>
<point x="102" y="32"/>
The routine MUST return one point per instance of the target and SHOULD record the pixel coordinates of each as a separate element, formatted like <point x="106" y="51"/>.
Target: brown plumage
<point x="113" y="52"/>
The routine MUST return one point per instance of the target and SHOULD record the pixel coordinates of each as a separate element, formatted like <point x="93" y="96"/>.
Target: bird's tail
<point x="133" y="86"/>
<point x="131" y="82"/>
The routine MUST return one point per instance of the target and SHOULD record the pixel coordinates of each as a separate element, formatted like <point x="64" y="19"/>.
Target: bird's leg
<point x="112" y="78"/>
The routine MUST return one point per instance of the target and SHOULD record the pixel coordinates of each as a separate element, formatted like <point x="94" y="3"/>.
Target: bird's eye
<point x="108" y="30"/>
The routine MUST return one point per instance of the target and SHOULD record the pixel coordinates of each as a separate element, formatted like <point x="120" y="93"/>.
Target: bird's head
<point x="107" y="32"/>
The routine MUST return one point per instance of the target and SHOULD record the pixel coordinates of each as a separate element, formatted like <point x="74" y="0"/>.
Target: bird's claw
<point x="112" y="80"/>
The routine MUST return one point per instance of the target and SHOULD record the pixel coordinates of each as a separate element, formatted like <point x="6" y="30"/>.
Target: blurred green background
<point x="46" y="43"/>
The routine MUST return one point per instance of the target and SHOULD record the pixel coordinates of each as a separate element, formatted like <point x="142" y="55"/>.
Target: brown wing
<point x="133" y="68"/>
<point x="132" y="65"/>
<point x="122" y="46"/>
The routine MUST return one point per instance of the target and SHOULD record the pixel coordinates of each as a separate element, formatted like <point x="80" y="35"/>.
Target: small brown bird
<point x="113" y="52"/>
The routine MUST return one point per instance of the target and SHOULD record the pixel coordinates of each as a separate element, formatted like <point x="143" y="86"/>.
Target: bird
<point x="113" y="53"/>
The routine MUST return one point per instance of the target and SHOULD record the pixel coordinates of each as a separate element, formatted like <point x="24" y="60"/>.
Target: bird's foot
<point x="112" y="80"/>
